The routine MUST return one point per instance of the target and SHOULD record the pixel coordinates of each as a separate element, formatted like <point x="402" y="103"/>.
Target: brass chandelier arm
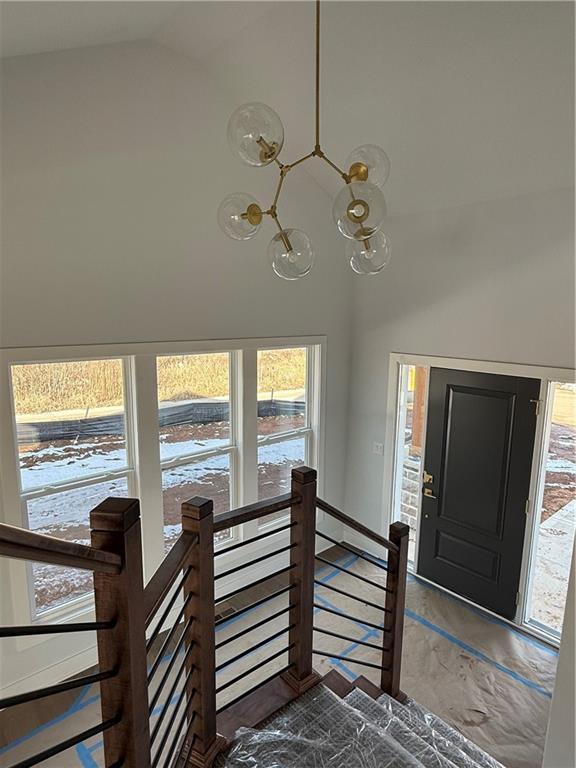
<point x="278" y="188"/>
<point x="326" y="159"/>
<point x="283" y="235"/>
<point x="301" y="160"/>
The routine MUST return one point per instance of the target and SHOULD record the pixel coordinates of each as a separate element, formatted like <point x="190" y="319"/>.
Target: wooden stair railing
<point x="115" y="558"/>
<point x="395" y="591"/>
<point x="172" y="621"/>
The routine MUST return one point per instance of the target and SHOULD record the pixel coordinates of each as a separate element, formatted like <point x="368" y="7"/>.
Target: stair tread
<point x="437" y="732"/>
<point x="318" y="728"/>
<point x="428" y="755"/>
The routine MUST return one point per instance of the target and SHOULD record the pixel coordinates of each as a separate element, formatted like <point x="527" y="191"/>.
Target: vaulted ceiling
<point x="471" y="100"/>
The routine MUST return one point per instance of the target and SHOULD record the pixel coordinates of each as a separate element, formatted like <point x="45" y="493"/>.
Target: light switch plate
<point x="378" y="449"/>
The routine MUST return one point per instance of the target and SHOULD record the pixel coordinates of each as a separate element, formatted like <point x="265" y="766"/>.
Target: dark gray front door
<point x="479" y="444"/>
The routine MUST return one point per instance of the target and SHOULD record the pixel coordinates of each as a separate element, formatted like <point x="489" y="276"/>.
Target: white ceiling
<point x="39" y="27"/>
<point x="472" y="101"/>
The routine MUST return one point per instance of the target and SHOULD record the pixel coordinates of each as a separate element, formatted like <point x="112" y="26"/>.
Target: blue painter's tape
<point x="478" y="654"/>
<point x="86" y="759"/>
<point x="473" y="651"/>
<point x="528" y="639"/>
<point x="77" y="706"/>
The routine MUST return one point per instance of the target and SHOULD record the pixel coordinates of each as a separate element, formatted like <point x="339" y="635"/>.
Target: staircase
<point x="168" y="696"/>
<point x="328" y="727"/>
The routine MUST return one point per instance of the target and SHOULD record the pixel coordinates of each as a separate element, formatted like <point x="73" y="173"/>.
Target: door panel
<point x="479" y="444"/>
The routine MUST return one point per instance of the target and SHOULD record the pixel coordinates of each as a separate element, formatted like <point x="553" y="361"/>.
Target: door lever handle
<point x="428" y="493"/>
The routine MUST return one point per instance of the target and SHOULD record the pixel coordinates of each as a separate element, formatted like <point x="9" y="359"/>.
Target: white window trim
<point x="546" y="374"/>
<point x="144" y="475"/>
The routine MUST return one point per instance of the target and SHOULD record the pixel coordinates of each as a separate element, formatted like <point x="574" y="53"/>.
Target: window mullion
<point x="13" y="572"/>
<point x="190" y="458"/>
<point x="147" y="455"/>
<point x="247" y="431"/>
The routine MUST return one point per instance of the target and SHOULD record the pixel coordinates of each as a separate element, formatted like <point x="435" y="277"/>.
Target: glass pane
<point x="207" y="477"/>
<point x="194" y="403"/>
<point x="66" y="515"/>
<point x="275" y="463"/>
<point x="69" y="420"/>
<point x="557" y="516"/>
<point x="281" y="390"/>
<point x="411" y="418"/>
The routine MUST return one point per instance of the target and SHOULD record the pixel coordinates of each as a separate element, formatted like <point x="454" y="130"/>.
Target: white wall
<point x="114" y="162"/>
<point x="492" y="281"/>
<point x="560" y="749"/>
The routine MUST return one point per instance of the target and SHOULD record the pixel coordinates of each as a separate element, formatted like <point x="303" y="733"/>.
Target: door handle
<point x="428" y="493"/>
<point x="427" y="477"/>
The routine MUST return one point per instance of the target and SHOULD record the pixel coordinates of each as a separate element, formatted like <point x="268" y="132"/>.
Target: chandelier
<point x="256" y="136"/>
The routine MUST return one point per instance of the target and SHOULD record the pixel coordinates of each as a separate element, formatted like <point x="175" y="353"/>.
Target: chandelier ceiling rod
<point x="256" y="134"/>
<point x="317" y="74"/>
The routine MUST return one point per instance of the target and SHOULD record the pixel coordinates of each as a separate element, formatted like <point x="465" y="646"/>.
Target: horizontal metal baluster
<point x="171" y="663"/>
<point x="55" y="629"/>
<point x="253" y="539"/>
<point x="255" y="604"/>
<point x="255" y="647"/>
<point x="350" y="639"/>
<point x="69" y="685"/>
<point x="173" y="599"/>
<point x="177" y="737"/>
<point x="257" y="583"/>
<point x="260" y="664"/>
<point x="166" y="706"/>
<point x="351" y="573"/>
<point x="350" y="617"/>
<point x="256" y="560"/>
<point x="348" y="659"/>
<point x="352" y="597"/>
<point x="352" y="551"/>
<point x="64" y="745"/>
<point x="258" y="685"/>
<point x="170" y="723"/>
<point x="168" y="638"/>
<point x="254" y="626"/>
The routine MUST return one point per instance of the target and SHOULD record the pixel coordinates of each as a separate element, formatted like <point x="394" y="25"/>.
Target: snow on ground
<point x="66" y="514"/>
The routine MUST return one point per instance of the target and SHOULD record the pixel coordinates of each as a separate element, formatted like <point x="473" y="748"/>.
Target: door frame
<point x="546" y="374"/>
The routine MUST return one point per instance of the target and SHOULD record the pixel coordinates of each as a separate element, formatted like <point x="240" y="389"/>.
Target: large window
<point x="163" y="425"/>
<point x="195" y="434"/>
<point x="73" y="452"/>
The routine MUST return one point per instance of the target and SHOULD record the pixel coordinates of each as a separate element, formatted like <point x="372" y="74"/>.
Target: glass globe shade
<point x="291" y="254"/>
<point x="359" y="207"/>
<point x="375" y="159"/>
<point x="370" y="256"/>
<point x="255" y="134"/>
<point x="232" y="216"/>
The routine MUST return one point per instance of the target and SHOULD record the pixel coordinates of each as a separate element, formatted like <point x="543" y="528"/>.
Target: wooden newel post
<point x="115" y="527"/>
<point x="394" y="616"/>
<point x="198" y="518"/>
<point x="303" y="536"/>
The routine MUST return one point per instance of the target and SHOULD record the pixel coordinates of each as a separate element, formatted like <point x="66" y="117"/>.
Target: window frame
<point x="76" y="605"/>
<point x="140" y="391"/>
<point x="230" y="450"/>
<point x="306" y="432"/>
